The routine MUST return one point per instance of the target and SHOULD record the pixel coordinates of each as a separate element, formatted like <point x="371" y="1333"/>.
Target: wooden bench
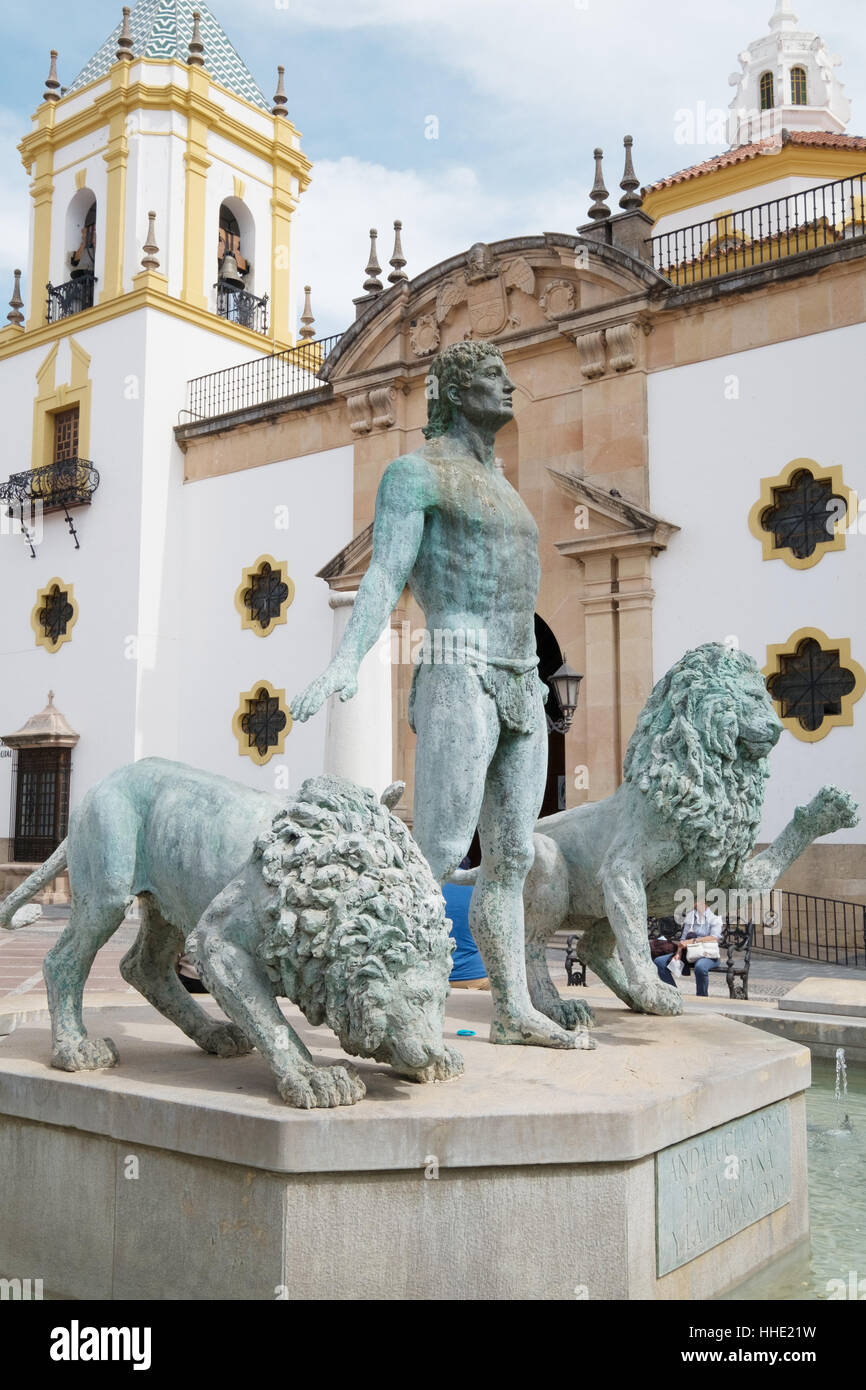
<point x="736" y="941"/>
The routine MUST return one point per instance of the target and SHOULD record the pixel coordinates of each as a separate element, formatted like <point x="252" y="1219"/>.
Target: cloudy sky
<point x="521" y="92"/>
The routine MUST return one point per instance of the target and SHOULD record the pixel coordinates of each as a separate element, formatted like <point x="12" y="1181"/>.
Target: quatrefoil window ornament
<point x="54" y="615"/>
<point x="261" y="722"/>
<point x="814" y="683"/>
<point x="264" y="595"/>
<point x="802" y="513"/>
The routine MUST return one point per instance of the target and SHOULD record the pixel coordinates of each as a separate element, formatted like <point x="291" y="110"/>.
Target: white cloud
<point x="442" y="215"/>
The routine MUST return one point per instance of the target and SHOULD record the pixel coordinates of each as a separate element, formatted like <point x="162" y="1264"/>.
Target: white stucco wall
<point x="707" y="456"/>
<point x="228" y="523"/>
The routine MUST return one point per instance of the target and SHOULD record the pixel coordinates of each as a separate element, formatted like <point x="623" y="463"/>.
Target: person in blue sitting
<point x="701" y="924"/>
<point x="467" y="967"/>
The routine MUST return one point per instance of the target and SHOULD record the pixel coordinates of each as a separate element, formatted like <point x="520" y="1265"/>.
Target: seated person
<point x="701" y="924"/>
<point x="467" y="967"/>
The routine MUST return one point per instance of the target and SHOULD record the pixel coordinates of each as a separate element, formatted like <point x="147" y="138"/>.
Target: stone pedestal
<point x="537" y="1175"/>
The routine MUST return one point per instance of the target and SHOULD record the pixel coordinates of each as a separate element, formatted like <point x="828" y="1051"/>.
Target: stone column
<point x="603" y="751"/>
<point x="358" y="740"/>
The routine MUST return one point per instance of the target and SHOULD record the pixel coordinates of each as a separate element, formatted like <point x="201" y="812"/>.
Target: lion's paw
<point x="89" y="1054"/>
<point x="320" y="1088"/>
<point x="655" y="997"/>
<point x="570" y="1013"/>
<point x="449" y="1065"/>
<point x="225" y="1040"/>
<point x="832" y="809"/>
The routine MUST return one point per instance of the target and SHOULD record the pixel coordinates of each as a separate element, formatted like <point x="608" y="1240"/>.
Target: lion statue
<point x="688" y="810"/>
<point x="326" y="901"/>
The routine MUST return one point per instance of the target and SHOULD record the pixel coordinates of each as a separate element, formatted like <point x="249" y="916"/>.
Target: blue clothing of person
<point x="466" y="963"/>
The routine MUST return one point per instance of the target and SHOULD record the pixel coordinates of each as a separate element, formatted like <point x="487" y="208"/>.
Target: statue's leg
<point x="458" y="728"/>
<point x="545" y="909"/>
<point x="512" y="799"/>
<point x="226" y="952"/>
<point x="149" y="966"/>
<point x="101" y="862"/>
<point x="66" y="968"/>
<point x="597" y="949"/>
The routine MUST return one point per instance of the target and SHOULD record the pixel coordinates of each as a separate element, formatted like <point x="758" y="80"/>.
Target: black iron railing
<point x="821" y="929"/>
<point x="70" y="483"/>
<point x="826" y="215"/>
<point x="240" y="306"/>
<point x="70" y="298"/>
<point x="265" y="379"/>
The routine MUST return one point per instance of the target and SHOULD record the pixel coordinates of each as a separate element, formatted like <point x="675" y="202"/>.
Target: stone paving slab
<point x="820" y="996"/>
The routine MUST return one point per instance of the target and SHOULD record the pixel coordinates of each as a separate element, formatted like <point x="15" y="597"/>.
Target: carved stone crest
<point x="558" y="298"/>
<point x="484" y="286"/>
<point x="424" y="337"/>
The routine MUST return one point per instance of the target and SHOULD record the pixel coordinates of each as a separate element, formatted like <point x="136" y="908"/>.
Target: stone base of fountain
<point x="668" y="1163"/>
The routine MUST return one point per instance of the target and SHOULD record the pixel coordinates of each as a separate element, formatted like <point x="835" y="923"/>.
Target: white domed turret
<point x="787" y="82"/>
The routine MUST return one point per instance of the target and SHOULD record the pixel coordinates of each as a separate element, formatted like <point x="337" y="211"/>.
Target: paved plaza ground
<point x="22" y="952"/>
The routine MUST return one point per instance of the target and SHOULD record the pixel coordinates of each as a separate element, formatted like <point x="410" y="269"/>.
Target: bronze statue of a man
<point x="452" y="527"/>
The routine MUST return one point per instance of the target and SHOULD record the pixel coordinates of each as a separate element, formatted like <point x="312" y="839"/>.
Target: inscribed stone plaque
<point x="719" y="1182"/>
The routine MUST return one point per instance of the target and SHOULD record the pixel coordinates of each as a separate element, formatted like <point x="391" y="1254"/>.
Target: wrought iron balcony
<point x="56" y="487"/>
<point x="240" y="306"/>
<point x="827" y="215"/>
<point x="274" y="378"/>
<point x="71" y="298"/>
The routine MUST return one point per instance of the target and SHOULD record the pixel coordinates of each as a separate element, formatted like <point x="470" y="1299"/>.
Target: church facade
<point x="686" y="435"/>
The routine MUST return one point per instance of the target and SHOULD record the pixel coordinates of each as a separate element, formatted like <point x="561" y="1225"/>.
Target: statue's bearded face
<point x="486" y="401"/>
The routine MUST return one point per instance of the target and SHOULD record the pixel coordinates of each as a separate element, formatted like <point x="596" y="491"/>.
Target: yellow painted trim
<point x="144" y="296"/>
<point x="42" y="193"/>
<point x="807" y="161"/>
<point x="56" y="132"/>
<point x="51" y="397"/>
<point x="830" y="721"/>
<point x="240" y="187"/>
<point x="833" y="475"/>
<point x="248" y="622"/>
<point x="80" y="179"/>
<point x="42" y="596"/>
<point x="244" y="747"/>
<point x="196" y="162"/>
<point x="116" y="157"/>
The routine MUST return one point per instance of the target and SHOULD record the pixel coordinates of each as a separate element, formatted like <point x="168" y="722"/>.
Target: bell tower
<point x="165" y="138"/>
<point x="787" y="82"/>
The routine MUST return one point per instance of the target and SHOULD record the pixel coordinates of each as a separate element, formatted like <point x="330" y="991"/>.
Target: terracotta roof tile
<point x="824" y="138"/>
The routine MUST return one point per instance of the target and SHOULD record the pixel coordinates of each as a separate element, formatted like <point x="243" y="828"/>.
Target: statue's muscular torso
<point x="477" y="567"/>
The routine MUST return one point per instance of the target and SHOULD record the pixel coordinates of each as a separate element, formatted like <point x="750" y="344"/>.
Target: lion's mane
<point x="354" y="901"/>
<point x="683" y="754"/>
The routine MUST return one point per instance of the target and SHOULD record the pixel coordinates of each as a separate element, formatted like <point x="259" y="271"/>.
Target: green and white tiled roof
<point x="163" y="29"/>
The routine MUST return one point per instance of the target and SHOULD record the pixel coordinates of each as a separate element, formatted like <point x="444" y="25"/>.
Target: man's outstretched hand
<point x="337" y="680"/>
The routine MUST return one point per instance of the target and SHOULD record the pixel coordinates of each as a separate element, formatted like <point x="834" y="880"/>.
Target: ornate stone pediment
<point x="605" y="520"/>
<point x="484" y="285"/>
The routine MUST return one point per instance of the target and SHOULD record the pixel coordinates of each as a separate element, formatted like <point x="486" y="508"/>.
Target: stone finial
<point x="281" y="101"/>
<point x="373" y="284"/>
<point x="16" y="303"/>
<point x="150" y="248"/>
<point x="52" y="82"/>
<point x="307" y="319"/>
<point x="124" y="41"/>
<point x="629" y="182"/>
<point x="196" y="47"/>
<point x="398" y="260"/>
<point x="599" y="211"/>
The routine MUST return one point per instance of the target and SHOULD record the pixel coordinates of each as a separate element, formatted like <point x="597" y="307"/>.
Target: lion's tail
<point x="30" y="887"/>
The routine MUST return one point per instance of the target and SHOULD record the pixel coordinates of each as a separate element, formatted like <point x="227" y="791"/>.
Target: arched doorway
<point x="549" y="660"/>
